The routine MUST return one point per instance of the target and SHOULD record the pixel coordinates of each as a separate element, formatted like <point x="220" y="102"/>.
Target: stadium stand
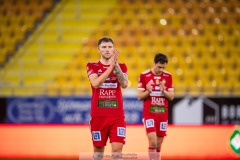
<point x="201" y="39"/>
<point x="18" y="19"/>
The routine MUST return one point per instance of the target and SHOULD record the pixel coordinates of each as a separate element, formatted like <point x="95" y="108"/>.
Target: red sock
<point x="152" y="149"/>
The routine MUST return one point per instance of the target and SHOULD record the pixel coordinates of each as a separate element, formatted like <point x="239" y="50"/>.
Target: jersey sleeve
<point x="123" y="68"/>
<point x="169" y="85"/>
<point x="141" y="83"/>
<point x="91" y="69"/>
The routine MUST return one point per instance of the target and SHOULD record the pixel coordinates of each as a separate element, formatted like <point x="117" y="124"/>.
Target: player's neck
<point x="152" y="70"/>
<point x="105" y="61"/>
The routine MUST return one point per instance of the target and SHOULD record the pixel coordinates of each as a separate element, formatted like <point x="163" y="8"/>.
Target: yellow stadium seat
<point x="201" y="40"/>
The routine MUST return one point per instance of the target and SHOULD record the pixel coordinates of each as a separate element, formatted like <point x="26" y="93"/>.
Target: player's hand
<point x="114" y="59"/>
<point x="116" y="54"/>
<point x="149" y="87"/>
<point x="162" y="86"/>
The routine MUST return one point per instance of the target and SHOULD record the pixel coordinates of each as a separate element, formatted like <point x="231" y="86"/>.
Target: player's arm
<point x="169" y="95"/>
<point x="122" y="77"/>
<point x="97" y="81"/>
<point x="143" y="94"/>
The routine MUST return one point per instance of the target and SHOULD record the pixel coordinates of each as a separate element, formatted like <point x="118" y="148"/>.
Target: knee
<point x="159" y="145"/>
<point x="117" y="147"/>
<point x="98" y="149"/>
<point x="153" y="144"/>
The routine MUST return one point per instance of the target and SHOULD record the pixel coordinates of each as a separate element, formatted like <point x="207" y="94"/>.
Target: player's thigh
<point x="118" y="130"/>
<point x="99" y="131"/>
<point x="152" y="138"/>
<point x="161" y="126"/>
<point x="149" y="124"/>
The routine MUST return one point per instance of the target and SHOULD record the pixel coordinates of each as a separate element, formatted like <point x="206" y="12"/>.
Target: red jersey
<point x="107" y="99"/>
<point x="155" y="105"/>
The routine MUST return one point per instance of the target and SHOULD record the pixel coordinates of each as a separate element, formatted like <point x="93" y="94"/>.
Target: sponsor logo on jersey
<point x="156" y="93"/>
<point x="157" y="101"/>
<point x="157" y="88"/>
<point x="149" y="123"/>
<point x="157" y="77"/>
<point x="96" y="135"/>
<point x="109" y="85"/>
<point x="151" y="82"/>
<point x="107" y="104"/>
<point x="104" y="92"/>
<point x="121" y="132"/>
<point x="158" y="109"/>
<point x="163" y="126"/>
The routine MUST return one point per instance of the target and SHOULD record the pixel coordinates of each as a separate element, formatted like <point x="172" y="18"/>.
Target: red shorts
<point x="156" y="125"/>
<point x="103" y="128"/>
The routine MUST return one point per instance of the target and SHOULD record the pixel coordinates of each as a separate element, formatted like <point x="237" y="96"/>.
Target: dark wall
<point x="3" y="106"/>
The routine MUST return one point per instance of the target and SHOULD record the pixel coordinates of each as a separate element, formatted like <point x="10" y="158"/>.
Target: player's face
<point x="106" y="49"/>
<point x="159" y="67"/>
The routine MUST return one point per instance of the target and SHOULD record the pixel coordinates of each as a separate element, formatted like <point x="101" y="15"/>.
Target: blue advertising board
<point x="76" y="110"/>
<point x="62" y="110"/>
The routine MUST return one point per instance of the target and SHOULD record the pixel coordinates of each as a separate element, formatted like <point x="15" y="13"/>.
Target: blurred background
<point x="46" y="44"/>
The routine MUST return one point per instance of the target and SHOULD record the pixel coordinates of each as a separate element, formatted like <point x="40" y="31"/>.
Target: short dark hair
<point x="105" y="39"/>
<point x="160" y="57"/>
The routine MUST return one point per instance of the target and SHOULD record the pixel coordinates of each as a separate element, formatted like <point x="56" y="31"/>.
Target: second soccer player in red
<point x="155" y="88"/>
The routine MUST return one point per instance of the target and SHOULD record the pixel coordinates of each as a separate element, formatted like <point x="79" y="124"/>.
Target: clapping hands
<point x="114" y="58"/>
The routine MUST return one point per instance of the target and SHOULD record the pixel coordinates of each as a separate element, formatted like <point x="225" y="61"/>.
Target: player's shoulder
<point x="121" y="64"/>
<point x="166" y="73"/>
<point x="94" y="63"/>
<point x="148" y="71"/>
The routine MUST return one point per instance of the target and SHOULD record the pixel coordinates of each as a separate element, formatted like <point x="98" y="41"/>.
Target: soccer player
<point x="107" y="76"/>
<point x="155" y="88"/>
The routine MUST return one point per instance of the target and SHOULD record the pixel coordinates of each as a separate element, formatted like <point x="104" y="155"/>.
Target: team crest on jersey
<point x="163" y="126"/>
<point x="149" y="123"/>
<point x="121" y="132"/>
<point x="96" y="135"/>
